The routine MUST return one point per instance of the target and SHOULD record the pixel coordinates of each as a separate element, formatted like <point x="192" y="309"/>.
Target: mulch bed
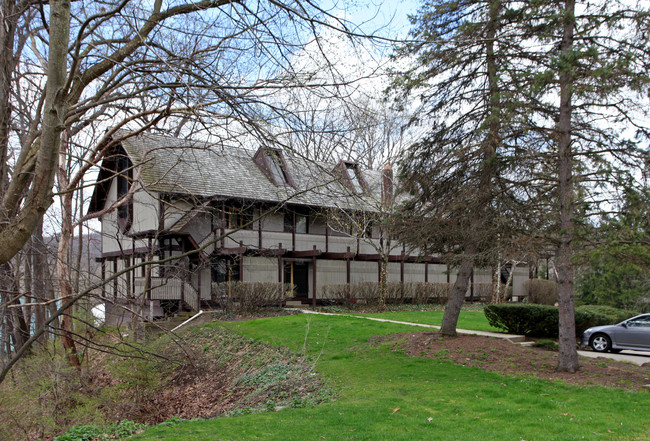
<point x="504" y="357"/>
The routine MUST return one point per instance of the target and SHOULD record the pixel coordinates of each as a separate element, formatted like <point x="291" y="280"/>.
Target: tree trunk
<point x="64" y="257"/>
<point x="488" y="171"/>
<point x="568" y="354"/>
<point x="456" y="298"/>
<point x="383" y="280"/>
<point x="39" y="260"/>
<point x="17" y="232"/>
<point x="7" y="35"/>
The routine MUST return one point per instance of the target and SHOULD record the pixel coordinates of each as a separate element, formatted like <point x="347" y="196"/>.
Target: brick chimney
<point x="387" y="186"/>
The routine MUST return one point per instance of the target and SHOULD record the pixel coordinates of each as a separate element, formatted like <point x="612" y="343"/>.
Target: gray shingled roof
<point x="173" y="165"/>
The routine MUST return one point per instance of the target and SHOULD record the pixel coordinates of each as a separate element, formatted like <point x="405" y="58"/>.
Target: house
<point x="209" y="213"/>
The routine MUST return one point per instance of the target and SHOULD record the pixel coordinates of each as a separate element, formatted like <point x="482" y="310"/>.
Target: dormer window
<point x="276" y="166"/>
<point x="272" y="164"/>
<point x="353" y="176"/>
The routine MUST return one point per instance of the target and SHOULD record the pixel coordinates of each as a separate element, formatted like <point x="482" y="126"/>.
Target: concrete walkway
<point x="638" y="358"/>
<point x="510" y="337"/>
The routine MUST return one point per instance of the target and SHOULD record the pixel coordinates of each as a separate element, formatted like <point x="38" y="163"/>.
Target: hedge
<point x="396" y="293"/>
<point x="247" y="297"/>
<point x="542" y="320"/>
<point x="526" y="319"/>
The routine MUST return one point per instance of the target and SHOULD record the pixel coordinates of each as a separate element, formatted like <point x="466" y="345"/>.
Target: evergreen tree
<point x="534" y="118"/>
<point x="467" y="198"/>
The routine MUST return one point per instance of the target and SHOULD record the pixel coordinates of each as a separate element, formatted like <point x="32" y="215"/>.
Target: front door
<point x="297" y="274"/>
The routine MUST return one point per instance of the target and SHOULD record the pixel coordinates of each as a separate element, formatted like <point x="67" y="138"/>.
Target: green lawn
<point x="386" y="395"/>
<point x="474" y="320"/>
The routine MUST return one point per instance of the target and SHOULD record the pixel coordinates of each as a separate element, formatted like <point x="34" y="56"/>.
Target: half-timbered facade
<point x="210" y="213"/>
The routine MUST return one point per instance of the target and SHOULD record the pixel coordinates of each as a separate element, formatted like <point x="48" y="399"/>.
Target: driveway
<point x="637" y="357"/>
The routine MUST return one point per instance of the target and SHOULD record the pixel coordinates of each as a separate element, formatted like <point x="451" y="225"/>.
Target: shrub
<point x="483" y="291"/>
<point x="541" y="291"/>
<point x="430" y="292"/>
<point x="597" y="315"/>
<point x="369" y="292"/>
<point x="420" y="293"/>
<point x="99" y="433"/>
<point x="526" y="319"/>
<point x="545" y="343"/>
<point x="397" y="293"/>
<point x="247" y="297"/>
<point x="542" y="320"/>
<point x="341" y="294"/>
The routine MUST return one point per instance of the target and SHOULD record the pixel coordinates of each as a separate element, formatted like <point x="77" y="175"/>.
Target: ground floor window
<point x="225" y="269"/>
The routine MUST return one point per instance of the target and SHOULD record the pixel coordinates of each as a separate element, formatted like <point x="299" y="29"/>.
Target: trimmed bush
<point x="541" y="291"/>
<point x="367" y="291"/>
<point x="396" y="293"/>
<point x="250" y="296"/>
<point x="341" y="294"/>
<point x="526" y="319"/>
<point x="597" y="315"/>
<point x="483" y="292"/>
<point x="542" y="320"/>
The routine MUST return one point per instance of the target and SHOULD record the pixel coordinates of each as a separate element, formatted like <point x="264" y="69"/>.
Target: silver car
<point x="633" y="333"/>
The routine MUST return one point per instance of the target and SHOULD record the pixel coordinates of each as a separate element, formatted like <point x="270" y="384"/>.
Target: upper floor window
<point x="296" y="222"/>
<point x="276" y="166"/>
<point x="272" y="164"/>
<point x="353" y="175"/>
<point x="233" y="217"/>
<point x="237" y="218"/>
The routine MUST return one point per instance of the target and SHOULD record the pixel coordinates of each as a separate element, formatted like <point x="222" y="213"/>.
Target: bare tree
<point x="217" y="70"/>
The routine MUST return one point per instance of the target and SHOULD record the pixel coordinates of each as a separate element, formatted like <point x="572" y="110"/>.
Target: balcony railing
<point x="162" y="288"/>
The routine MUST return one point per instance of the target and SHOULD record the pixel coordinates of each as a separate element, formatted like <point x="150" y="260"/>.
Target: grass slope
<point x="386" y="395"/>
<point x="474" y="320"/>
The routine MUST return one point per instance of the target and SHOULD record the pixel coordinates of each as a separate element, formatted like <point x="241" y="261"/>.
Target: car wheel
<point x="600" y="343"/>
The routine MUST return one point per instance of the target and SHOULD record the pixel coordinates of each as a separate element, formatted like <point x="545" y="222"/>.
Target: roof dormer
<point x="271" y="162"/>
<point x="351" y="177"/>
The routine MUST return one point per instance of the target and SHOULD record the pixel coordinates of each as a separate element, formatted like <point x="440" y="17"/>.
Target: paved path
<point x="636" y="357"/>
<point x="512" y="337"/>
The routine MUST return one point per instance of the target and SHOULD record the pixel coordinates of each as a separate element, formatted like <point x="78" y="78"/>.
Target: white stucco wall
<point x="260" y="269"/>
<point x="145" y="211"/>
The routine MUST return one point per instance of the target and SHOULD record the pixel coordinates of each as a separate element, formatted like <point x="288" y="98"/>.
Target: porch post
<point x="223" y="224"/>
<point x="116" y="281"/>
<point x="241" y="264"/>
<point x="313" y="276"/>
<point x="103" y="277"/>
<point x="347" y="267"/>
<point x="259" y="230"/>
<point x="293" y="231"/>
<point x="327" y="237"/>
